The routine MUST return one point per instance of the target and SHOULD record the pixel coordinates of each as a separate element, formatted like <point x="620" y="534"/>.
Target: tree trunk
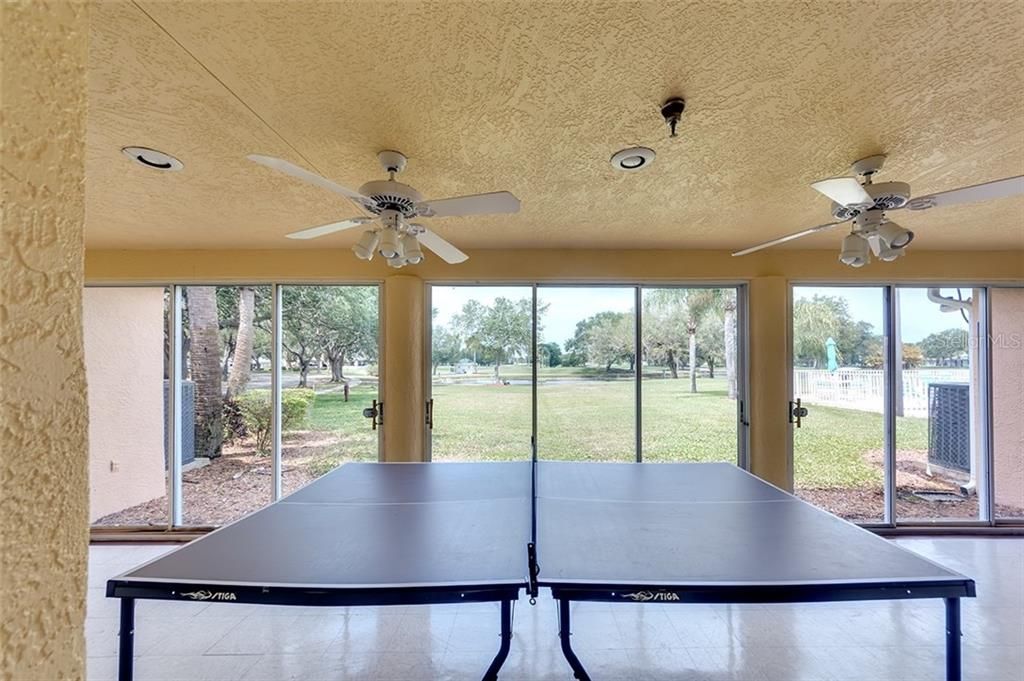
<point x="338" y="367"/>
<point x="693" y="361"/>
<point x="730" y="348"/>
<point x="303" y="372"/>
<point x="206" y="370"/>
<point x="241" y="362"/>
<point x="711" y="368"/>
<point x="672" y="363"/>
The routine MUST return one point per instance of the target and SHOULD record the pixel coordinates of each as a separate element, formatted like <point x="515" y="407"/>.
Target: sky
<point x="568" y="305"/>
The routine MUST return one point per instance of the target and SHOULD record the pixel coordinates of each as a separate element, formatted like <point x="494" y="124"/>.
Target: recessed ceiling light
<point x="633" y="159"/>
<point x="151" y="158"/>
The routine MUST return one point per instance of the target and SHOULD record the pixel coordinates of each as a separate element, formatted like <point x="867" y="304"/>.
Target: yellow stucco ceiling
<point x="534" y="97"/>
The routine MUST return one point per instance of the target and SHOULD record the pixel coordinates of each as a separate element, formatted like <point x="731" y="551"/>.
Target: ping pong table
<point x="435" y="533"/>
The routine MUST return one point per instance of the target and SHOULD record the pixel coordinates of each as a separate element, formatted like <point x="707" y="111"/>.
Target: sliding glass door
<point x="608" y="384"/>
<point x="938" y="404"/>
<point x="192" y="421"/>
<point x="839" y="359"/>
<point x="586" y="373"/>
<point x="912" y="402"/>
<point x="481" y="373"/>
<point x="691" y="368"/>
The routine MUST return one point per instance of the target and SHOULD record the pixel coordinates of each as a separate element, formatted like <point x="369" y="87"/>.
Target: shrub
<point x="255" y="408"/>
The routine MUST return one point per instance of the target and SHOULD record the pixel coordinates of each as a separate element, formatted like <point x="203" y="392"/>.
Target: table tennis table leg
<point x="954" y="664"/>
<point x="506" y="642"/>
<point x="564" y="632"/>
<point x="126" y="636"/>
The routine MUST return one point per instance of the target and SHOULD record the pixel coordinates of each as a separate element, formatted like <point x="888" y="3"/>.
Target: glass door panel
<point x="481" y="376"/>
<point x="586" y="380"/>
<point x="689" y="370"/>
<point x="225" y="403"/>
<point x="939" y="421"/>
<point x="329" y="375"/>
<point x="839" y="376"/>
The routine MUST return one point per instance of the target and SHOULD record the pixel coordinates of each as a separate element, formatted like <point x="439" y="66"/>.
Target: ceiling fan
<point x="865" y="206"/>
<point x="392" y="205"/>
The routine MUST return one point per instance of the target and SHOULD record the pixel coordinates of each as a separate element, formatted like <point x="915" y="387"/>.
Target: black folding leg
<point x="126" y="653"/>
<point x="564" y="632"/>
<point x="954" y="664"/>
<point x="506" y="642"/>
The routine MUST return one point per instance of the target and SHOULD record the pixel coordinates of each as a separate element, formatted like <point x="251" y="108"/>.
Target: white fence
<point x="863" y="389"/>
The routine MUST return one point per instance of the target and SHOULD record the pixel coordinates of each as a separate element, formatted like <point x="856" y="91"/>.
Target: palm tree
<point x="241" y="360"/>
<point x="205" y="368"/>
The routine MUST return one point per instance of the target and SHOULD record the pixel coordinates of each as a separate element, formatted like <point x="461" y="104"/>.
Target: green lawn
<point x="594" y="420"/>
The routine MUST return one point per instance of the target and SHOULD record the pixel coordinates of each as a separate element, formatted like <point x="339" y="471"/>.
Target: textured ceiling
<point x="534" y="97"/>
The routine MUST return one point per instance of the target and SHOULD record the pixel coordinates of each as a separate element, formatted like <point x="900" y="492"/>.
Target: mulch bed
<point x="236" y="483"/>
<point x="239" y="482"/>
<point x="867" y="504"/>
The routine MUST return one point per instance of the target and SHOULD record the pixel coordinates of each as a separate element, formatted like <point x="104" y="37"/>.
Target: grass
<point x="593" y="420"/>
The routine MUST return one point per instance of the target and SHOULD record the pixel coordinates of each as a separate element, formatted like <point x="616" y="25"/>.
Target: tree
<point x="945" y="345"/>
<point x="610" y="338"/>
<point x="665" y="338"/>
<point x="730" y="340"/>
<point x="675" y="316"/>
<point x="349" y="326"/>
<point x="332" y="322"/>
<point x="446" y="346"/>
<point x="504" y="331"/>
<point x="550" y="354"/>
<point x="241" y="363"/>
<point x="815" y="320"/>
<point x="205" y="369"/>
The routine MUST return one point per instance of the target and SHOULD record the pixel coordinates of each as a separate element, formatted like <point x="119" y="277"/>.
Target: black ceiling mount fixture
<point x="672" y="111"/>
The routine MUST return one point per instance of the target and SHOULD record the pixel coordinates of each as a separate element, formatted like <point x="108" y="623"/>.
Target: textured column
<point x="403" y="369"/>
<point x="43" y="444"/>
<point x="770" y="447"/>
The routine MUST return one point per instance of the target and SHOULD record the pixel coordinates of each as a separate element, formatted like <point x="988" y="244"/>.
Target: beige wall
<point x="1007" y="305"/>
<point x="124" y="364"/>
<point x="43" y="456"/>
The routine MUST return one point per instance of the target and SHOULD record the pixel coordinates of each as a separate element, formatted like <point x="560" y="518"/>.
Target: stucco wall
<point x="1008" y="395"/>
<point x="43" y="445"/>
<point x="124" y="358"/>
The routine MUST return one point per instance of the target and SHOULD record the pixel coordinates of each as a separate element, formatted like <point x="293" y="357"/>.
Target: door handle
<point x="375" y="413"/>
<point x="796" y="412"/>
<point x="430" y="414"/>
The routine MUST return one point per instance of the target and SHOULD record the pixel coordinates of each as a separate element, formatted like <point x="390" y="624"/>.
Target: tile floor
<point x="869" y="641"/>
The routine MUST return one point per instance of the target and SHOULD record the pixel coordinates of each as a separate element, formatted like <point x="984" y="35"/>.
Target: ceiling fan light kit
<point x="865" y="205"/>
<point x="393" y="204"/>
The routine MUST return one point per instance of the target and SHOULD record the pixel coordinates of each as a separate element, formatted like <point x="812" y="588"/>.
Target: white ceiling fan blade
<point x="477" y="204"/>
<point x="445" y="250"/>
<point x="306" y="176"/>
<point x="314" y="232"/>
<point x="790" y="237"/>
<point x="986" y="191"/>
<point x="845" y="191"/>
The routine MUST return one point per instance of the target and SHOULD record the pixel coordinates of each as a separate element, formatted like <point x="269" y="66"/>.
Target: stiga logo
<point x="209" y="595"/>
<point x="645" y="596"/>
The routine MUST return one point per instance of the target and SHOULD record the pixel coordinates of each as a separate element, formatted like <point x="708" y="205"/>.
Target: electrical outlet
<point x="114" y="466"/>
